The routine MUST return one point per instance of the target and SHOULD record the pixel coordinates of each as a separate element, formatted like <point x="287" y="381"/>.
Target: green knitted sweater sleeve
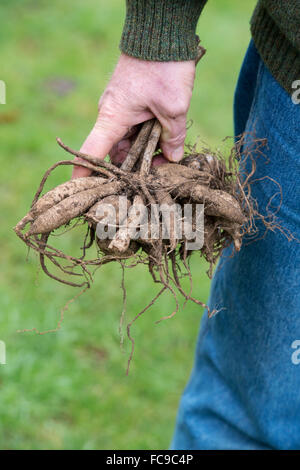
<point x="161" y="30"/>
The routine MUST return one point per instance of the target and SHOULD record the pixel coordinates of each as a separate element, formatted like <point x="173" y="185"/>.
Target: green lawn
<point x="69" y="390"/>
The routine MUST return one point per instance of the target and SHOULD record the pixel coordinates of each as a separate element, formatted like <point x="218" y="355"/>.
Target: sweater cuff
<point x="161" y="30"/>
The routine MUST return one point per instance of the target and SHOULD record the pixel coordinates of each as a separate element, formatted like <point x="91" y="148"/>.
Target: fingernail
<point x="177" y="154"/>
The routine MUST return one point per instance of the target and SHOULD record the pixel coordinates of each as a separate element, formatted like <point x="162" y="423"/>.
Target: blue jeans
<point x="244" y="390"/>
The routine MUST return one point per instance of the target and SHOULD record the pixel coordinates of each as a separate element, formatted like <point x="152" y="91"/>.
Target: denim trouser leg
<point x="244" y="390"/>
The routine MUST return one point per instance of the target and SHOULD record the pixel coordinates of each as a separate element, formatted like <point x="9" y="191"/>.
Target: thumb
<point x="172" y="137"/>
<point x="104" y="135"/>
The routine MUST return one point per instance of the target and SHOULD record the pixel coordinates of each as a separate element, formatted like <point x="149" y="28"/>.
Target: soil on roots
<point x="221" y="186"/>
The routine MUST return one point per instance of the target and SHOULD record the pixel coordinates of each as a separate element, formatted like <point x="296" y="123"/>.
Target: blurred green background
<point x="68" y="390"/>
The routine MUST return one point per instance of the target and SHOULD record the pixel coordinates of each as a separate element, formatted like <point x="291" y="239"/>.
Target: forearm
<point x="161" y="30"/>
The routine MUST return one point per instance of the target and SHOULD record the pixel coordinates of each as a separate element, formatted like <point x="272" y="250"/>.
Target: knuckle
<point x="108" y="123"/>
<point x="178" y="139"/>
<point x="108" y="100"/>
<point x="101" y="125"/>
<point x="177" y="108"/>
<point x="107" y="113"/>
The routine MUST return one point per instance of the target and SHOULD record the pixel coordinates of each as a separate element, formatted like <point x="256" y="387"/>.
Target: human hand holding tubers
<point x="138" y="91"/>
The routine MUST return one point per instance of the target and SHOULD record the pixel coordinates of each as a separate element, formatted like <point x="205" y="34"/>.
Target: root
<point x="223" y="186"/>
<point x="134" y="320"/>
<point x="60" y="321"/>
<point x="122" y="317"/>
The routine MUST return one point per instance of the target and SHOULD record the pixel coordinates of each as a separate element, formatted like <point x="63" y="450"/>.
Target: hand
<point x="137" y="91"/>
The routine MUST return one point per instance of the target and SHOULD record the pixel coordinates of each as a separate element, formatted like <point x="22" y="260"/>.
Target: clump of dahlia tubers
<point x="121" y="208"/>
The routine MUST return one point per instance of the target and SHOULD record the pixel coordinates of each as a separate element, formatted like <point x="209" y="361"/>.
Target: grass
<point x="69" y="390"/>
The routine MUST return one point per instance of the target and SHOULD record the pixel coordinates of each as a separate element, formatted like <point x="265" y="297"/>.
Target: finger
<point x="159" y="160"/>
<point x="172" y="137"/>
<point x="119" y="151"/>
<point x="105" y="133"/>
